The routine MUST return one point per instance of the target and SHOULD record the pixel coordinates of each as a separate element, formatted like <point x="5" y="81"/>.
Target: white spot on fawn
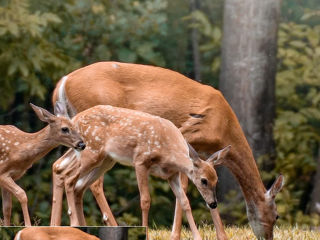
<point x="16" y="143"/>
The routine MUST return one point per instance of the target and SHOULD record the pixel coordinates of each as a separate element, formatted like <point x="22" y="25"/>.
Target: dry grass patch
<point x="239" y="233"/>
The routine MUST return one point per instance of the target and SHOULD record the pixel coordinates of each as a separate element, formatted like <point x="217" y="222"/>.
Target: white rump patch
<point x="18" y="236"/>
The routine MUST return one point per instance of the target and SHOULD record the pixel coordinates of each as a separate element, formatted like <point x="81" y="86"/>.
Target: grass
<point x="239" y="233"/>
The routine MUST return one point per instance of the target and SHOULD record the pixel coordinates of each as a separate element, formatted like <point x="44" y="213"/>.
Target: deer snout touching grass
<point x="19" y="150"/>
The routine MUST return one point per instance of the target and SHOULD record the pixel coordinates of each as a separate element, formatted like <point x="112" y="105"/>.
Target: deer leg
<point x="57" y="198"/>
<point x="221" y="234"/>
<point x="79" y="206"/>
<point x="176" y="187"/>
<point x="6" y="206"/>
<point x="142" y="179"/>
<point x="177" y="223"/>
<point x="98" y="193"/>
<point x="72" y="210"/>
<point x="20" y="194"/>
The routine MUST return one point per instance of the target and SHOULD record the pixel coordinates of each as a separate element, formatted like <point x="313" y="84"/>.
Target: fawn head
<point x="263" y="215"/>
<point x="204" y="175"/>
<point x="62" y="130"/>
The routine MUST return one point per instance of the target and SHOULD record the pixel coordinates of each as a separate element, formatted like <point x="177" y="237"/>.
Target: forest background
<point x="41" y="41"/>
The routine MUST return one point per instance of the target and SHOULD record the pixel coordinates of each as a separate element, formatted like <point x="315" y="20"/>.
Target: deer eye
<point x="204" y="181"/>
<point x="277" y="217"/>
<point x="65" y="130"/>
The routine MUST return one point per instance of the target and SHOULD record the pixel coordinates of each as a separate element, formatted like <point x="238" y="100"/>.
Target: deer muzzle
<point x="80" y="145"/>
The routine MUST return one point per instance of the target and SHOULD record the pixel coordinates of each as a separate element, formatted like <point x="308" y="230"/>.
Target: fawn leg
<point x="176" y="187"/>
<point x="57" y="198"/>
<point x="6" y="206"/>
<point x="177" y="223"/>
<point x="221" y="234"/>
<point x="72" y="211"/>
<point x="19" y="193"/>
<point x="97" y="191"/>
<point x="142" y="179"/>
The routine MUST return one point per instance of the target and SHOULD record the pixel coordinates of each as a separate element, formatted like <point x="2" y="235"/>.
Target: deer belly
<point x="161" y="172"/>
<point x="123" y="160"/>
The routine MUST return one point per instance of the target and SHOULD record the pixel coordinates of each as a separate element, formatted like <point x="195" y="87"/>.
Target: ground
<point x="240" y="233"/>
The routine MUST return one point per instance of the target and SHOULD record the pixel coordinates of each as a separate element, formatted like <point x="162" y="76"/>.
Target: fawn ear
<point x="60" y="109"/>
<point x="43" y="114"/>
<point x="193" y="154"/>
<point x="276" y="186"/>
<point x="218" y="157"/>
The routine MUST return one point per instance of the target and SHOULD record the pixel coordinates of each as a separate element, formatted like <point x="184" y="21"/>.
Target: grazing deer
<point x="19" y="150"/>
<point x="53" y="233"/>
<point x="204" y="116"/>
<point x="150" y="144"/>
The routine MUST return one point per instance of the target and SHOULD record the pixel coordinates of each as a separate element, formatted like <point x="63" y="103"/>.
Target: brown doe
<point x="19" y="150"/>
<point x="150" y="144"/>
<point x="204" y="116"/>
<point x="53" y="233"/>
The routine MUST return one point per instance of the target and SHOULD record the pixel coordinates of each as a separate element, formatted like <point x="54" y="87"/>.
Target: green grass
<point x="239" y="233"/>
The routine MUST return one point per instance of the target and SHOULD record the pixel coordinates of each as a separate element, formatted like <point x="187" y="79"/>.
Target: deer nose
<point x="81" y="145"/>
<point x="213" y="205"/>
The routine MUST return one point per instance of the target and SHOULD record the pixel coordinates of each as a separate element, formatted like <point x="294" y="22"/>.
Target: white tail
<point x="19" y="150"/>
<point x="205" y="118"/>
<point x="150" y="144"/>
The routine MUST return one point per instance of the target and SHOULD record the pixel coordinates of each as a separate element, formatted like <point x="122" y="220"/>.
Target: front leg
<point x="177" y="223"/>
<point x="6" y="206"/>
<point x="8" y="184"/>
<point x="57" y="197"/>
<point x="72" y="209"/>
<point x="142" y="179"/>
<point x="97" y="191"/>
<point x="176" y="187"/>
<point x="221" y="234"/>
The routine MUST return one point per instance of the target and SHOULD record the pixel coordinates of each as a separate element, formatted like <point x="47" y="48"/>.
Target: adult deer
<point x="19" y="150"/>
<point x="56" y="233"/>
<point x="205" y="118"/>
<point x="152" y="145"/>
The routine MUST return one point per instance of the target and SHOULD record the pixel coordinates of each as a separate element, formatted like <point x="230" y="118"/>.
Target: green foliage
<point x="297" y="124"/>
<point x="211" y="35"/>
<point x="26" y="52"/>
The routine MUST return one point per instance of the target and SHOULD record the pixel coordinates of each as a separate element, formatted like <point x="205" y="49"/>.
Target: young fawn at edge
<point x="150" y="144"/>
<point x="56" y="233"/>
<point x="19" y="150"/>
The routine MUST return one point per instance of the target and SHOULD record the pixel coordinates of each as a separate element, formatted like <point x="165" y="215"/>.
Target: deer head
<point x="62" y="130"/>
<point x="263" y="216"/>
<point x="204" y="176"/>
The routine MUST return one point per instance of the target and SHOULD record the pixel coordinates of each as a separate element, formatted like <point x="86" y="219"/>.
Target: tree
<point x="248" y="69"/>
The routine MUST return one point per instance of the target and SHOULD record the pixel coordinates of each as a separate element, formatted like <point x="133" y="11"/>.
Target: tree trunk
<point x="248" y="70"/>
<point x="315" y="195"/>
<point x="195" y="5"/>
<point x="113" y="233"/>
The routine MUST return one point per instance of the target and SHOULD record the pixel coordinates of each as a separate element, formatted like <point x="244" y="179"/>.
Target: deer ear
<point x="60" y="109"/>
<point x="43" y="114"/>
<point x="193" y="154"/>
<point x="218" y="157"/>
<point x="276" y="186"/>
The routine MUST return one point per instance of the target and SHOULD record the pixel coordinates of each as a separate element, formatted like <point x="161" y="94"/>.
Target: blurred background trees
<point x="40" y="41"/>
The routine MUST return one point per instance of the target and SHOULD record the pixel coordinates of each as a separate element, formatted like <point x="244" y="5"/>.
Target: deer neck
<point x="39" y="144"/>
<point x="243" y="166"/>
